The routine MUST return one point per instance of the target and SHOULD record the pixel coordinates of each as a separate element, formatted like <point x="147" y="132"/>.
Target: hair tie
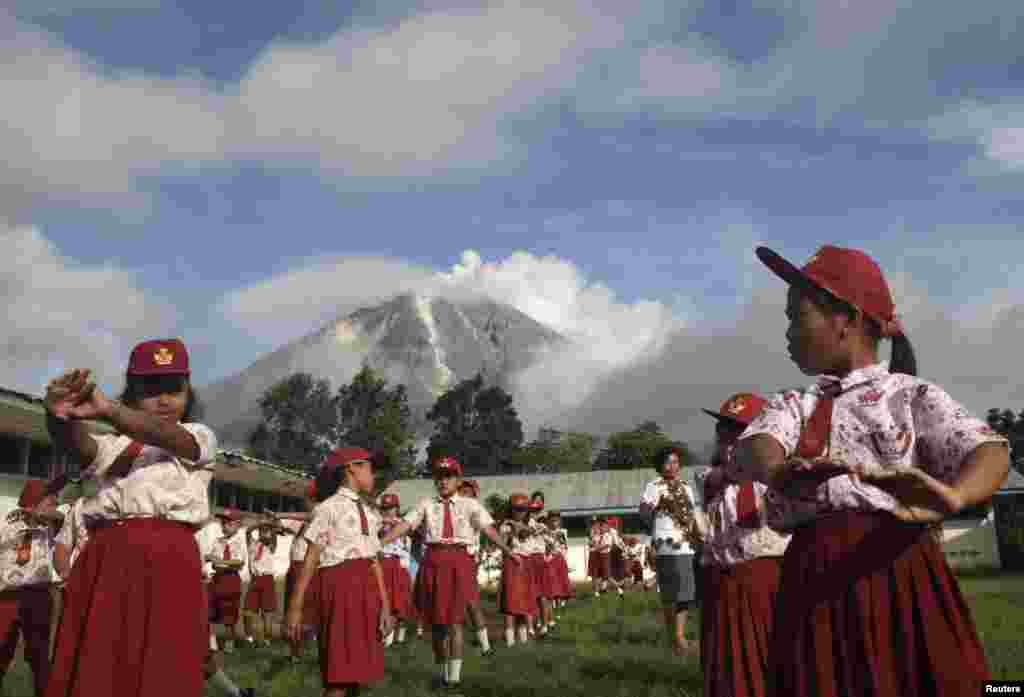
<point x="892" y="327"/>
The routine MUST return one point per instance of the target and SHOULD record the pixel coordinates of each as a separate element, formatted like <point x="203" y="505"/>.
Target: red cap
<point x="518" y="500"/>
<point x="159" y="357"/>
<point x="32" y="493"/>
<point x="311" y="490"/>
<point x="389" y="501"/>
<point x="448" y="463"/>
<point x="741" y="408"/>
<point x="346" y="456"/>
<point x="848" y="274"/>
<point x="536" y="505"/>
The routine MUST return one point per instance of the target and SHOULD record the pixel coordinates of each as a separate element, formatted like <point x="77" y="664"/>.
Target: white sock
<point x="524" y="634"/>
<point x="389" y="638"/>
<point x="223" y="683"/>
<point x="510" y="637"/>
<point x="485" y="641"/>
<point x="401" y="634"/>
<point x="551" y="624"/>
<point x="454" y="670"/>
<point x="213" y="642"/>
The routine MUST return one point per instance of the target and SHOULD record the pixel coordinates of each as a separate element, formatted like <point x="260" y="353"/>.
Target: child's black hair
<point x="328" y="481"/>
<point x="134" y="391"/>
<point x="661" y="457"/>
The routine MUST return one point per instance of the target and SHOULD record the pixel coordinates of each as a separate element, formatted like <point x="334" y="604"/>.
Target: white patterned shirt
<point x="518" y="546"/>
<point x="468" y="516"/>
<point x="159" y="483"/>
<point x="73" y="532"/>
<point x="206" y="540"/>
<point x="879" y="418"/>
<point x="299" y="544"/>
<point x="400" y="548"/>
<point x="665" y="527"/>
<point x="25" y="555"/>
<point x="726" y="542"/>
<point x="336" y="529"/>
<point x="261" y="556"/>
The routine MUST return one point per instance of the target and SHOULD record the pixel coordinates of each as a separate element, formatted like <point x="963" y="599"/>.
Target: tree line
<point x="303" y="419"/>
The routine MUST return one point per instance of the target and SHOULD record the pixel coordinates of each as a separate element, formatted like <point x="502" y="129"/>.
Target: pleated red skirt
<point x="735" y="626"/>
<point x="311" y="604"/>
<point x="350" y="645"/>
<point x="539" y="573"/>
<point x="262" y="594"/>
<point x="599" y="565"/>
<point x="131" y="625"/>
<point x="868" y="606"/>
<point x="399" y="587"/>
<point x="443" y="585"/>
<point x="473" y="594"/>
<point x="225" y="598"/>
<point x="617" y="564"/>
<point x="517" y="594"/>
<point x="559" y="571"/>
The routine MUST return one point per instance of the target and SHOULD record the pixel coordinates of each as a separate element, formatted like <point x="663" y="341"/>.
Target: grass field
<point x="602" y="648"/>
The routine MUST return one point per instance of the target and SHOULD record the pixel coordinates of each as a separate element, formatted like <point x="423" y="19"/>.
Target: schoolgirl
<point x="343" y="545"/>
<point x="295" y="523"/>
<point x="867" y="457"/>
<point x="395" y="567"/>
<point x="517" y="598"/>
<point x="134" y="591"/>
<point x="228" y="559"/>
<point x="261" y="596"/>
<point x="471" y="489"/>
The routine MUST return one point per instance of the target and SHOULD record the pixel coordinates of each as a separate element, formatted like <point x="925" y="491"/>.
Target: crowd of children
<point x="809" y="536"/>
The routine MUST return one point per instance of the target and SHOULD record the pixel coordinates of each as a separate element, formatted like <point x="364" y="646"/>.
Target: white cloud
<point x="996" y="129"/>
<point x="61" y="314"/>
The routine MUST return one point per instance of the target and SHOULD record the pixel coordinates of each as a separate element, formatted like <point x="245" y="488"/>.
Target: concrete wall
<point x="971" y="543"/>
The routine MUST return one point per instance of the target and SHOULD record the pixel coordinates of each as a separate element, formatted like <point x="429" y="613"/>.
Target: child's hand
<point x="387" y="623"/>
<point x="65" y="391"/>
<point x="920" y="497"/>
<point x="293" y="625"/>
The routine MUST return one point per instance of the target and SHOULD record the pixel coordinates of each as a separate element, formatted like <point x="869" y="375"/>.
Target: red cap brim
<point x="782" y="268"/>
<point x="723" y="417"/>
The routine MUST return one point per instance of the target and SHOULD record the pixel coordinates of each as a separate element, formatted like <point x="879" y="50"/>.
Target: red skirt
<point x="599" y="565"/>
<point x="311" y="604"/>
<point x="473" y="595"/>
<point x="567" y="590"/>
<point x="443" y="585"/>
<point x="27" y="612"/>
<point x="130" y="624"/>
<point x="868" y="606"/>
<point x="735" y="625"/>
<point x="636" y="570"/>
<point x="225" y="598"/>
<point x="618" y="564"/>
<point x="517" y="594"/>
<point x="551" y="585"/>
<point x="350" y="645"/>
<point x="262" y="595"/>
<point x="399" y="587"/>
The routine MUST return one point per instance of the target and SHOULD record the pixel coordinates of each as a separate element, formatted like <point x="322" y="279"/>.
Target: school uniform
<point x="741" y="561"/>
<point x="226" y="588"/>
<point x="673" y="562"/>
<point x="563" y="586"/>
<point x="25" y="602"/>
<point x="206" y="537"/>
<point x="73" y="533"/>
<point x="445" y="579"/>
<point x="518" y="596"/>
<point x="134" y="590"/>
<point x="867" y="603"/>
<point x="394" y="561"/>
<point x="599" y="561"/>
<point x="261" y="594"/>
<point x="297" y="559"/>
<point x="347" y="532"/>
<point x="537" y="564"/>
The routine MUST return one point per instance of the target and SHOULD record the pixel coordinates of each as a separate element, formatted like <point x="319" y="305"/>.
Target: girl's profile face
<point x="164" y="396"/>
<point x="813" y="335"/>
<point x="361" y="476"/>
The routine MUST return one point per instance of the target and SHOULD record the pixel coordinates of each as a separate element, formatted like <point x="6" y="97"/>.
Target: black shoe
<point x="488" y="653"/>
<point x="247" y="692"/>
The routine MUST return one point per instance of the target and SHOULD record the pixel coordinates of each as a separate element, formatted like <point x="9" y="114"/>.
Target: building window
<point x="11" y="454"/>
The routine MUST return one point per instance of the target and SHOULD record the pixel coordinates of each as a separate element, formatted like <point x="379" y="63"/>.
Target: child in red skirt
<point x="343" y="545"/>
<point x="261" y="596"/>
<point x="471" y="489"/>
<point x="295" y="524"/>
<point x="25" y="576"/>
<point x="866" y="458"/>
<point x="559" y="566"/>
<point x="742" y="558"/>
<point x="444" y="580"/>
<point x="599" y="555"/>
<point x="227" y="558"/>
<point x="539" y="545"/>
<point x="394" y="563"/>
<point x="135" y="592"/>
<point x="518" y="598"/>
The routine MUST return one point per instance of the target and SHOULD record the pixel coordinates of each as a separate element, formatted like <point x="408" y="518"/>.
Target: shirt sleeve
<point x="651" y="494"/>
<point x="207" y="442"/>
<point x="480" y="516"/>
<point x="781" y="419"/>
<point x="318" y="532"/>
<point x="108" y="447"/>
<point x="946" y="432"/>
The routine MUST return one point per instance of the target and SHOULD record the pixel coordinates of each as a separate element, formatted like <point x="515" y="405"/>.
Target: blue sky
<point x="194" y="150"/>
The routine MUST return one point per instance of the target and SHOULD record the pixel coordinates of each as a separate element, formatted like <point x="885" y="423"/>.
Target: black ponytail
<point x="903" y="359"/>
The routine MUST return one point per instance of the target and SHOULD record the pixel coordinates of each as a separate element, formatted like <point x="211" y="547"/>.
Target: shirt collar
<point x="347" y="493"/>
<point x="441" y="499"/>
<point x="855" y="378"/>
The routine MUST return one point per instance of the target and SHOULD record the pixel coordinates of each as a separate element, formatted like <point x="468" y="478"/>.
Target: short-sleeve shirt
<point x="727" y="543"/>
<point x="234" y="547"/>
<point x="518" y="546"/>
<point x="881" y="418"/>
<point x="261" y="556"/>
<point x="400" y="548"/>
<point x="206" y="539"/>
<point x="665" y="527"/>
<point x="25" y="555"/>
<point x="337" y="529"/>
<point x="468" y="517"/>
<point x="159" y="484"/>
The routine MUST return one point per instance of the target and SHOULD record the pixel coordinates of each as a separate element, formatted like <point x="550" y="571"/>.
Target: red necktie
<point x="363" y="523"/>
<point x="814" y="439"/>
<point x="448" y="532"/>
<point x="227" y="551"/>
<point x="123" y="464"/>
<point x="25" y="548"/>
<point x="259" y="550"/>
<point x="746" y="507"/>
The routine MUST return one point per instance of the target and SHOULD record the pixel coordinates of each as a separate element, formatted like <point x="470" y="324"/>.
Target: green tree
<point x="555" y="451"/>
<point x="637" y="448"/>
<point x="476" y="424"/>
<point x="377" y="417"/>
<point x="299" y="423"/>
